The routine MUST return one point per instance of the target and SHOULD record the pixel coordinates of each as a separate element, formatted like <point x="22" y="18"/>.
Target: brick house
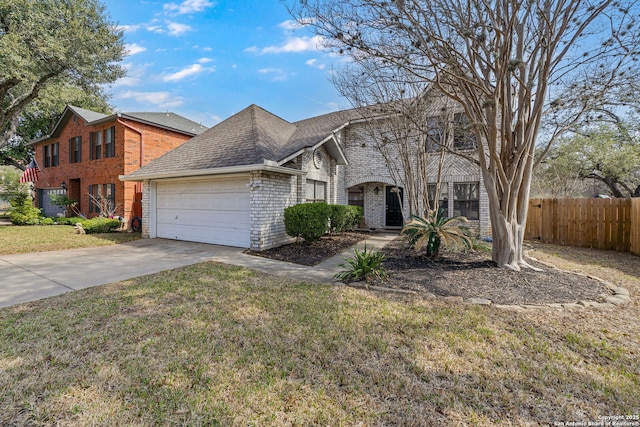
<point x="87" y="151"/>
<point x="231" y="184"/>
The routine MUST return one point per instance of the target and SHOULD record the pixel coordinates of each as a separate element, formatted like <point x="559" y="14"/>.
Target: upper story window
<point x="110" y="142"/>
<point x="51" y="155"/>
<point x="75" y="149"/>
<point x="95" y="144"/>
<point x="463" y="136"/>
<point x="435" y="131"/>
<point x="316" y="191"/>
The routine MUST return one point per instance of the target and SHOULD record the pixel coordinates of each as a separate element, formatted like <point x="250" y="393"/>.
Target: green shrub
<point x="47" y="221"/>
<point x="69" y="221"/>
<point x="364" y="265"/>
<point x="99" y="225"/>
<point x="22" y="212"/>
<point x="307" y="220"/>
<point x="344" y="217"/>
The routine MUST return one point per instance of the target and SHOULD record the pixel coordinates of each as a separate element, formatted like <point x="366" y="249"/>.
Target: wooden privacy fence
<point x="593" y="223"/>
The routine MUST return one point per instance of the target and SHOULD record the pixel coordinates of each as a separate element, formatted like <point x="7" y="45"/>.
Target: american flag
<point x="32" y="173"/>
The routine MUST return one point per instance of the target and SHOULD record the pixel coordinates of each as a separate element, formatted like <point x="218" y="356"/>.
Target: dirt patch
<point x="313" y="253"/>
<point x="474" y="275"/>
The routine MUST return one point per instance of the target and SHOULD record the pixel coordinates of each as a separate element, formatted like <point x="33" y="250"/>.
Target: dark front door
<point x="394" y="206"/>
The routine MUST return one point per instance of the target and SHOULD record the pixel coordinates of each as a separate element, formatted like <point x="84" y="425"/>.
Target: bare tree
<point x="508" y="63"/>
<point x="407" y="125"/>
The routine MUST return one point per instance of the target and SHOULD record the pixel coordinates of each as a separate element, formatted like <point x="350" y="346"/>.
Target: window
<point x="463" y="136"/>
<point x="102" y="198"/>
<point x="110" y="142"/>
<point x="55" y="154"/>
<point x="434" y="135"/>
<point x="75" y="149"/>
<point x="95" y="194"/>
<point x="46" y="155"/>
<point x="95" y="142"/>
<point x="356" y="197"/>
<point x="466" y="199"/>
<point x="316" y="191"/>
<point x="443" y="199"/>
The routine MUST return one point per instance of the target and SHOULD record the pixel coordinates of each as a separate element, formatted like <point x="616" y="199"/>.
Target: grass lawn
<point x="41" y="238"/>
<point x="212" y="344"/>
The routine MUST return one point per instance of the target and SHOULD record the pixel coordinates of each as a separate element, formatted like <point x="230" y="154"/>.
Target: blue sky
<point x="208" y="59"/>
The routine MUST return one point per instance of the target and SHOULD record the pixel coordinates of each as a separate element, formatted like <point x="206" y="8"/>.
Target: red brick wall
<point x="79" y="176"/>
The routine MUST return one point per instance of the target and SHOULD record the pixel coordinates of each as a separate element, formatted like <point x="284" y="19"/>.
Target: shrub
<point x="47" y="221"/>
<point x="22" y="212"/>
<point x="99" y="225"/>
<point x="364" y="265"/>
<point x="344" y="217"/>
<point x="69" y="221"/>
<point x="433" y="230"/>
<point x="307" y="220"/>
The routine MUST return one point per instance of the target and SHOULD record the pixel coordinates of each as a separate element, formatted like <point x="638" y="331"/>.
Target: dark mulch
<point x="467" y="275"/>
<point x="474" y="275"/>
<point x="315" y="252"/>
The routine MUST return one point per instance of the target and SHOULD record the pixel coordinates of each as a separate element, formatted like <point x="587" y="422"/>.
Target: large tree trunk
<point x="508" y="237"/>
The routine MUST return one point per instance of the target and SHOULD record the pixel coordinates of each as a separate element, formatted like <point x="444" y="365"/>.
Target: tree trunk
<point x="508" y="237"/>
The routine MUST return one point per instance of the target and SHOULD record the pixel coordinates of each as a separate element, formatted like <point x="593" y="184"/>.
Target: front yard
<point x="217" y="345"/>
<point x="41" y="238"/>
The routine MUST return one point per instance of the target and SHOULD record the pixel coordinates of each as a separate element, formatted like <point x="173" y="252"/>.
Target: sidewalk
<point x="321" y="273"/>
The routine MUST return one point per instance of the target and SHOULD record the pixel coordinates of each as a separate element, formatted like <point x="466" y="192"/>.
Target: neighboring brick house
<point x="87" y="152"/>
<point x="231" y="184"/>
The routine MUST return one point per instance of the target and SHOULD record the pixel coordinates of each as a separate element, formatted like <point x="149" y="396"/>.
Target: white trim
<point x="152" y="209"/>
<point x="213" y="171"/>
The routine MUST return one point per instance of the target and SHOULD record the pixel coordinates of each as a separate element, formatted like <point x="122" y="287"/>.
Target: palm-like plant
<point x="364" y="265"/>
<point x="434" y="230"/>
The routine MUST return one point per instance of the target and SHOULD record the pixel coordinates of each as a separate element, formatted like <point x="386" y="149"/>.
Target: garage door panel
<point x="208" y="211"/>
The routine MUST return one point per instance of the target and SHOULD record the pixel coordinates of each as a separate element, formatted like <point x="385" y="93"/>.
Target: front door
<point x="394" y="207"/>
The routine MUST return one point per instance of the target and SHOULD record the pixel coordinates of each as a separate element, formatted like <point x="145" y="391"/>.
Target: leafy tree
<point x="608" y="154"/>
<point x="52" y="49"/>
<point x="507" y="63"/>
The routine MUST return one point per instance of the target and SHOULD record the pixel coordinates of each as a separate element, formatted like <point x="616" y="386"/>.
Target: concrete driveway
<point x="29" y="277"/>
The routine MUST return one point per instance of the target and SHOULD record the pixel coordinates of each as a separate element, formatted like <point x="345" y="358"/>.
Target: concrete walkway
<point x="29" y="277"/>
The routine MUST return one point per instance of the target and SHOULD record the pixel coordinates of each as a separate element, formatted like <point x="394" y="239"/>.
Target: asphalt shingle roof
<point x="249" y="137"/>
<point x="169" y="120"/>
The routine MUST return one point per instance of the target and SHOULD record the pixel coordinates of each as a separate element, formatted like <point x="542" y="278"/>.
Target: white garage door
<point x="207" y="211"/>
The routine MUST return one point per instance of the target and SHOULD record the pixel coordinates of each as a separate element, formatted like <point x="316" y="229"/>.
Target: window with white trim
<point x="316" y="191"/>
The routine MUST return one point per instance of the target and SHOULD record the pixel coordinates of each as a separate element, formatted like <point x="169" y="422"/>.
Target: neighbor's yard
<point x="41" y="238"/>
<point x="216" y="345"/>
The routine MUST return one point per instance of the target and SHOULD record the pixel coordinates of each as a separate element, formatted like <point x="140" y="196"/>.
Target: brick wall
<point x="271" y="193"/>
<point x="79" y="176"/>
<point x="368" y="169"/>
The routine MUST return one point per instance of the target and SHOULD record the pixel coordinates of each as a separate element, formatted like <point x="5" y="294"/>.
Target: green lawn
<point x="212" y="344"/>
<point x="40" y="238"/>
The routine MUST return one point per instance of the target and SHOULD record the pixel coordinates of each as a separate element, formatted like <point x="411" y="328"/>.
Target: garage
<point x="212" y="210"/>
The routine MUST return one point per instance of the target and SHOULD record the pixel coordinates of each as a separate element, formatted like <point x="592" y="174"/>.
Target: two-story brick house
<point x="231" y="184"/>
<point x="87" y="151"/>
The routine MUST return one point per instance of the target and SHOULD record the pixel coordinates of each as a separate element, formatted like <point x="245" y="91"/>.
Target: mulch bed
<point x="315" y="252"/>
<point x="474" y="275"/>
<point x="454" y="274"/>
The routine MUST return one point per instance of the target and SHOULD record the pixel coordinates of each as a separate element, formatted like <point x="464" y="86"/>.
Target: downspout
<point x="139" y="132"/>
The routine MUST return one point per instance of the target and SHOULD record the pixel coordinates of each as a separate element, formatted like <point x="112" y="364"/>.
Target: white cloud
<point x="295" y="45"/>
<point x="189" y="71"/>
<point x="314" y="63"/>
<point x="292" y="25"/>
<point x="204" y="60"/>
<point x="133" y="48"/>
<point x="188" y="6"/>
<point x="157" y="99"/>
<point x="176" y="29"/>
<point x="135" y="75"/>
<point x="129" y="28"/>
<point x="277" y="74"/>
<point x="252" y="49"/>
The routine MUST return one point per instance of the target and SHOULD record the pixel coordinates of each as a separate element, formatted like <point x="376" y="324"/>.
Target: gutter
<point x="212" y="171"/>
